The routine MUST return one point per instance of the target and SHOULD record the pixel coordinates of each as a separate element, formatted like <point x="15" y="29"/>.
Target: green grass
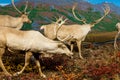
<point x="107" y="24"/>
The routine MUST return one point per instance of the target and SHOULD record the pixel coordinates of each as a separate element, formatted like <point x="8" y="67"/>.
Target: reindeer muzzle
<point x="29" y="21"/>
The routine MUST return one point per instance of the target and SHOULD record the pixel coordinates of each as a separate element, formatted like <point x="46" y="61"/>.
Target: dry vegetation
<point x="100" y="63"/>
<point x="101" y="36"/>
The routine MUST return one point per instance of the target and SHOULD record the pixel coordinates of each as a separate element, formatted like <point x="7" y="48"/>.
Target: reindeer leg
<point x="38" y="65"/>
<point x="2" y="50"/>
<point x="27" y="59"/>
<point x="79" y="48"/>
<point x="71" y="47"/>
<point x="115" y="43"/>
<point x="39" y="68"/>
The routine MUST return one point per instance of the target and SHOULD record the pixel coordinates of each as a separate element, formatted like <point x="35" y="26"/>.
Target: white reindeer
<point x="76" y="33"/>
<point x="117" y="35"/>
<point x="32" y="42"/>
<point x="51" y="29"/>
<point x="15" y="22"/>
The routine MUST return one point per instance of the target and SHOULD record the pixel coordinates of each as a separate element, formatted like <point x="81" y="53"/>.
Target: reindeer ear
<point x="42" y="27"/>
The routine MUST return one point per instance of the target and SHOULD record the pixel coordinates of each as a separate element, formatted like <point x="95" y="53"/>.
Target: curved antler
<point x="57" y="23"/>
<point x="106" y="11"/>
<point x="26" y="6"/>
<point x="16" y="7"/>
<point x="83" y="20"/>
<point x="59" y="26"/>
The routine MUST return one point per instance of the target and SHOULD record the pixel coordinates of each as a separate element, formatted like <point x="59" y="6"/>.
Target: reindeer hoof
<point x="42" y="75"/>
<point x="81" y="57"/>
<point x="71" y="57"/>
<point x="16" y="74"/>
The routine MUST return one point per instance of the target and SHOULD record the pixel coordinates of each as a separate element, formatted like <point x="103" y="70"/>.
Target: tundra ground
<point x="100" y="62"/>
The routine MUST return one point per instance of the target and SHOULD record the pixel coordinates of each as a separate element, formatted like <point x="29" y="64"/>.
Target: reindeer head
<point x="24" y="15"/>
<point x="61" y="49"/>
<point x="64" y="50"/>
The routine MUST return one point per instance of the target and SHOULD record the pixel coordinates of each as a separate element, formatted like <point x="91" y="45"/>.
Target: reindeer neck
<point x="17" y="23"/>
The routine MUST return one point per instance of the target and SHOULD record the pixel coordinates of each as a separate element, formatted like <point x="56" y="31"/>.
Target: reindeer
<point x="32" y="42"/>
<point x="15" y="22"/>
<point x="77" y="33"/>
<point x="51" y="29"/>
<point x="117" y="35"/>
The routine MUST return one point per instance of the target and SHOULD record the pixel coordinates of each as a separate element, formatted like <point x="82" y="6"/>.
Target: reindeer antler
<point x="82" y="20"/>
<point x="16" y="7"/>
<point x="106" y="11"/>
<point x="60" y="25"/>
<point x="59" y="19"/>
<point x="26" y="6"/>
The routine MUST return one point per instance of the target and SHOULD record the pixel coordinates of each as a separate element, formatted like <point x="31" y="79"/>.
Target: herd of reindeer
<point x="33" y="42"/>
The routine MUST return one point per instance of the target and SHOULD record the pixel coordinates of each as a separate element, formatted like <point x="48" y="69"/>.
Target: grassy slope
<point x="44" y="15"/>
<point x="107" y="24"/>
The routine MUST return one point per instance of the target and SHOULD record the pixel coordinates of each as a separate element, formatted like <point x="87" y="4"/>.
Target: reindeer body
<point x="76" y="33"/>
<point x="49" y="30"/>
<point x="29" y="41"/>
<point x="15" y="22"/>
<point x="9" y="21"/>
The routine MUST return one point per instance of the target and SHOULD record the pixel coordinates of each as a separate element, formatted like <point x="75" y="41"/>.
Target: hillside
<point x="45" y="11"/>
<point x="82" y="4"/>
